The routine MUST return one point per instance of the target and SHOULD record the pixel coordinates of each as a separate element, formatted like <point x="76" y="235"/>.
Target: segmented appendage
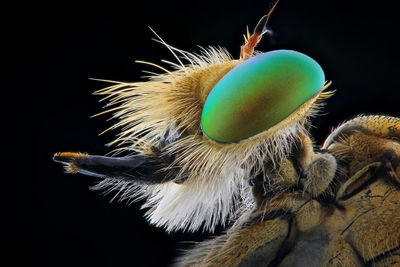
<point x="251" y="41"/>
<point x="378" y="125"/>
<point x="365" y="138"/>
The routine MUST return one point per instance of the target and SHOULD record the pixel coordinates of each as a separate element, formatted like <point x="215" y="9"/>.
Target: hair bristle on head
<point x="215" y="174"/>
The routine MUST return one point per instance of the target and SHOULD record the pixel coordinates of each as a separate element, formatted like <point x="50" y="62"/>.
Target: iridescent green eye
<point x="259" y="93"/>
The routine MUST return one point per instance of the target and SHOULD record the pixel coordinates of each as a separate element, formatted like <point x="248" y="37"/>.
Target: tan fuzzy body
<point x="234" y="252"/>
<point x="360" y="226"/>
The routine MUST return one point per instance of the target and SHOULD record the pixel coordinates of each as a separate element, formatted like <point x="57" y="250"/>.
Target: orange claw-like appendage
<point x="250" y="42"/>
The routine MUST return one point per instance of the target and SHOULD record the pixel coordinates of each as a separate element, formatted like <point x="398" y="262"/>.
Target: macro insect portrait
<point x="232" y="143"/>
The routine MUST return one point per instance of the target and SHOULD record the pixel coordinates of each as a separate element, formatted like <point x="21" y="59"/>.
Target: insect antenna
<point x="247" y="50"/>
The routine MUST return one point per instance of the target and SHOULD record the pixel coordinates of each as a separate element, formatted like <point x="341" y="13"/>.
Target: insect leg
<point x="317" y="169"/>
<point x="377" y="125"/>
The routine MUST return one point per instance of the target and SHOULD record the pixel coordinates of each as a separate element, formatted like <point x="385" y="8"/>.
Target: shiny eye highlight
<point x="259" y="93"/>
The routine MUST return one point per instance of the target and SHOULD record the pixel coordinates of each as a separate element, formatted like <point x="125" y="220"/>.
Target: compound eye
<point x="259" y="93"/>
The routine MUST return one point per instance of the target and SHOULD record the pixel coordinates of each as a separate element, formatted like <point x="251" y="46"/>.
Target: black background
<point x="52" y="48"/>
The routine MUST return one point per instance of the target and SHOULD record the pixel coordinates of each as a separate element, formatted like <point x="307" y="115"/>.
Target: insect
<point x="221" y="139"/>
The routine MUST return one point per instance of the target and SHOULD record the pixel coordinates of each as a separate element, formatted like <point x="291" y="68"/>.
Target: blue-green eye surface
<point x="259" y="93"/>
